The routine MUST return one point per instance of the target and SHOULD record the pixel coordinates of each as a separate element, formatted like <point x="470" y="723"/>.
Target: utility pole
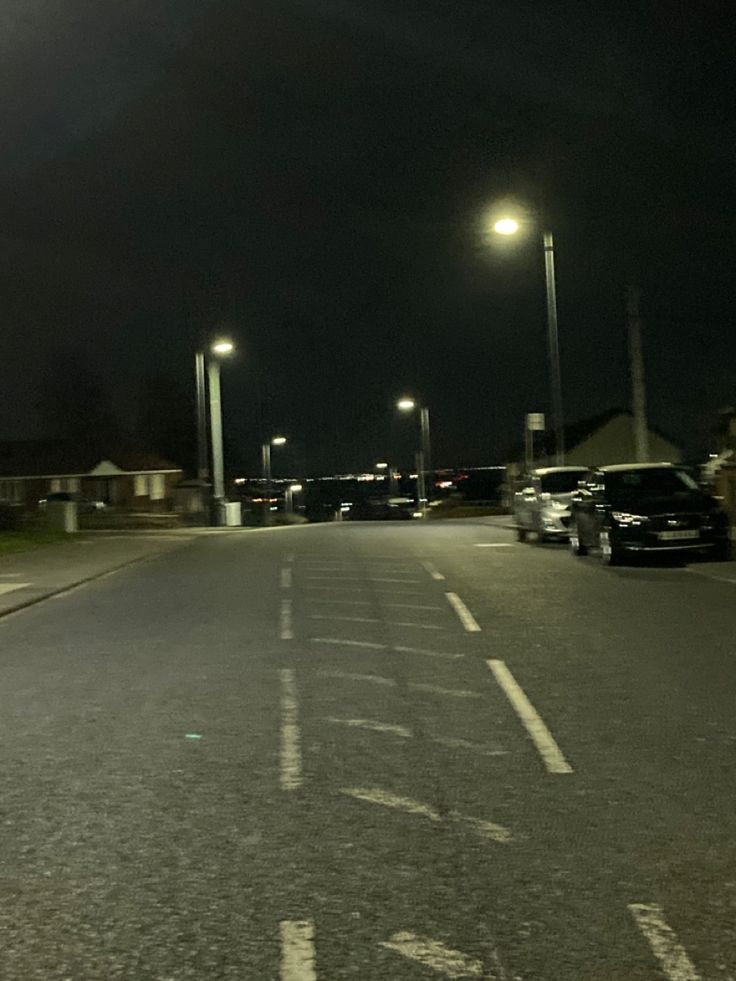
<point x="218" y="477"/>
<point x="555" y="374"/>
<point x="638" y="386"/>
<point x="203" y="470"/>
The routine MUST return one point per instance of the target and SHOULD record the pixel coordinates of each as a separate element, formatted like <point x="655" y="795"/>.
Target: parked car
<point x="85" y="505"/>
<point x="646" y="508"/>
<point x="542" y="503"/>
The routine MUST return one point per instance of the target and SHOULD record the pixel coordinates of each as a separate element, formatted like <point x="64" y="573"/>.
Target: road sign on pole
<point x="535" y="422"/>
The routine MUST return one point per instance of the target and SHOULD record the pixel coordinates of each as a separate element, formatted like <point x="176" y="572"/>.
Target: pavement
<point x="375" y="751"/>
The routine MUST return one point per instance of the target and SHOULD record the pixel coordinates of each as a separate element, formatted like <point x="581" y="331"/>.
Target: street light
<point x="217" y="349"/>
<point x="291" y="490"/>
<point x="508" y="225"/>
<point x="423" y="456"/>
<point x="266" y="460"/>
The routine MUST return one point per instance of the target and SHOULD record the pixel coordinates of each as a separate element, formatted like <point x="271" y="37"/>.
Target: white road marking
<point x="673" y="959"/>
<point x="493" y="545"/>
<point x="297" y="951"/>
<point x="437" y="690"/>
<point x="10" y="575"/>
<point x="361" y="579"/>
<point x="388" y="623"/>
<point x="373" y="679"/>
<point x="8" y="587"/>
<point x="349" y="643"/>
<point x="532" y="722"/>
<point x="290" y="775"/>
<point x="434" y="572"/>
<point x="339" y="642"/>
<point x="285" y="629"/>
<point x="465" y="616"/>
<point x="373" y="726"/>
<point x="374" y="795"/>
<point x="418" y="650"/>
<point x="433" y="954"/>
<point x="410" y="606"/>
<point x="466" y="744"/>
<point x="286" y="578"/>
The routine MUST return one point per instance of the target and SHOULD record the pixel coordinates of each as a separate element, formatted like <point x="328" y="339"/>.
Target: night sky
<point x="311" y="176"/>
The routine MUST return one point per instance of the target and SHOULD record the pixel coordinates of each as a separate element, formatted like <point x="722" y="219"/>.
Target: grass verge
<point x="21" y="541"/>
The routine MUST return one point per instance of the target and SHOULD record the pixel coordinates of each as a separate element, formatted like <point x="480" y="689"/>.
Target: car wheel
<point x="609" y="553"/>
<point x="520" y="534"/>
<point x="576" y="545"/>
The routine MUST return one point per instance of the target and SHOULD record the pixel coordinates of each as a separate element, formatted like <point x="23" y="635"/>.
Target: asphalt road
<point x="374" y="752"/>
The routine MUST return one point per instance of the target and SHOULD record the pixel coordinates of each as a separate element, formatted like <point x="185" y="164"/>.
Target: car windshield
<point x="561" y="483"/>
<point x="649" y="483"/>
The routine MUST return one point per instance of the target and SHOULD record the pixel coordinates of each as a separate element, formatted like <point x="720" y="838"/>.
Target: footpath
<point x="34" y="575"/>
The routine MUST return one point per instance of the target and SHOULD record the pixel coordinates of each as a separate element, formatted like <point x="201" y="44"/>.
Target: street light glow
<point x="381" y="466"/>
<point x="506" y="226"/>
<point x="223" y="347"/>
<point x="295" y="488"/>
<point x="278" y="440"/>
<point x="406" y="404"/>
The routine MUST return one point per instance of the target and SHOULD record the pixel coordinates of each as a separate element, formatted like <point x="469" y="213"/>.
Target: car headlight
<point x="624" y="518"/>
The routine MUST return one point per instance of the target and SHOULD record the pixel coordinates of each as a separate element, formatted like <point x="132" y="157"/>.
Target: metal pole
<point x="203" y="470"/>
<point x="555" y="376"/>
<point x="421" y="491"/>
<point x="218" y="474"/>
<point x="638" y="387"/>
<point x="266" y="455"/>
<point x="426" y="453"/>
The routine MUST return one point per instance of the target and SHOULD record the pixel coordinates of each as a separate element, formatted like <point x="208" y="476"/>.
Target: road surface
<point x="371" y="751"/>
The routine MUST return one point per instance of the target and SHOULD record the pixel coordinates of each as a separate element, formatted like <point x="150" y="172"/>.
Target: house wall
<point x="142" y="492"/>
<point x="614" y="443"/>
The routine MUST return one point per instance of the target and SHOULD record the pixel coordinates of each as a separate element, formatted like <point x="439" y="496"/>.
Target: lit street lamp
<point x="266" y="461"/>
<point x="291" y="490"/>
<point x="217" y="350"/>
<point x="423" y="457"/>
<point x="507" y="225"/>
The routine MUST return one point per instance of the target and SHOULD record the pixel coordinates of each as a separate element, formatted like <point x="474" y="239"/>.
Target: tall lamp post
<point x="510" y="226"/>
<point x="220" y="348"/>
<point x="423" y="457"/>
<point x="267" y="477"/>
<point x="291" y="490"/>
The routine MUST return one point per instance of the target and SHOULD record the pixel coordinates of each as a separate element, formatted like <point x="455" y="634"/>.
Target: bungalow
<point x="123" y="476"/>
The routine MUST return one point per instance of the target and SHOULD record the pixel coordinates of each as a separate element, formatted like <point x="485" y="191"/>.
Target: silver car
<point x="542" y="502"/>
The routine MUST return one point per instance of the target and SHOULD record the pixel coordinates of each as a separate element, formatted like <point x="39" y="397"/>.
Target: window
<point x="11" y="491"/>
<point x="158" y="486"/>
<point x="140" y="482"/>
<point x="71" y="484"/>
<point x="54" y="485"/>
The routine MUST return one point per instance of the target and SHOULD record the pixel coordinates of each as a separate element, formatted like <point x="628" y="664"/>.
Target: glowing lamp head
<point x="223" y="347"/>
<point x="278" y="440"/>
<point x="295" y="488"/>
<point x="381" y="466"/>
<point x="406" y="404"/>
<point x="506" y="226"/>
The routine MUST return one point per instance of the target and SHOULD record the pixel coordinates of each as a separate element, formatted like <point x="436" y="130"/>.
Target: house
<point x="597" y="442"/>
<point x="609" y="438"/>
<point x="123" y="476"/>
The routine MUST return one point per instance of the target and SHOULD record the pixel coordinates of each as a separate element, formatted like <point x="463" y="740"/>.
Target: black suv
<point x="645" y="507"/>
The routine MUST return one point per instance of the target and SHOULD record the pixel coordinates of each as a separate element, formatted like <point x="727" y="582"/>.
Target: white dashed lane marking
<point x="375" y="795"/>
<point x="291" y="756"/>
<point x="286" y="578"/>
<point x="285" y="629"/>
<point x="464" y="615"/>
<point x="297" y="951"/>
<point x="540" y="735"/>
<point x="672" y="956"/>
<point x="433" y="571"/>
<point x="434" y="955"/>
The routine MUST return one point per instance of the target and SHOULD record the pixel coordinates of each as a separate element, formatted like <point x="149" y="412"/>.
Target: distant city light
<point x="506" y="226"/>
